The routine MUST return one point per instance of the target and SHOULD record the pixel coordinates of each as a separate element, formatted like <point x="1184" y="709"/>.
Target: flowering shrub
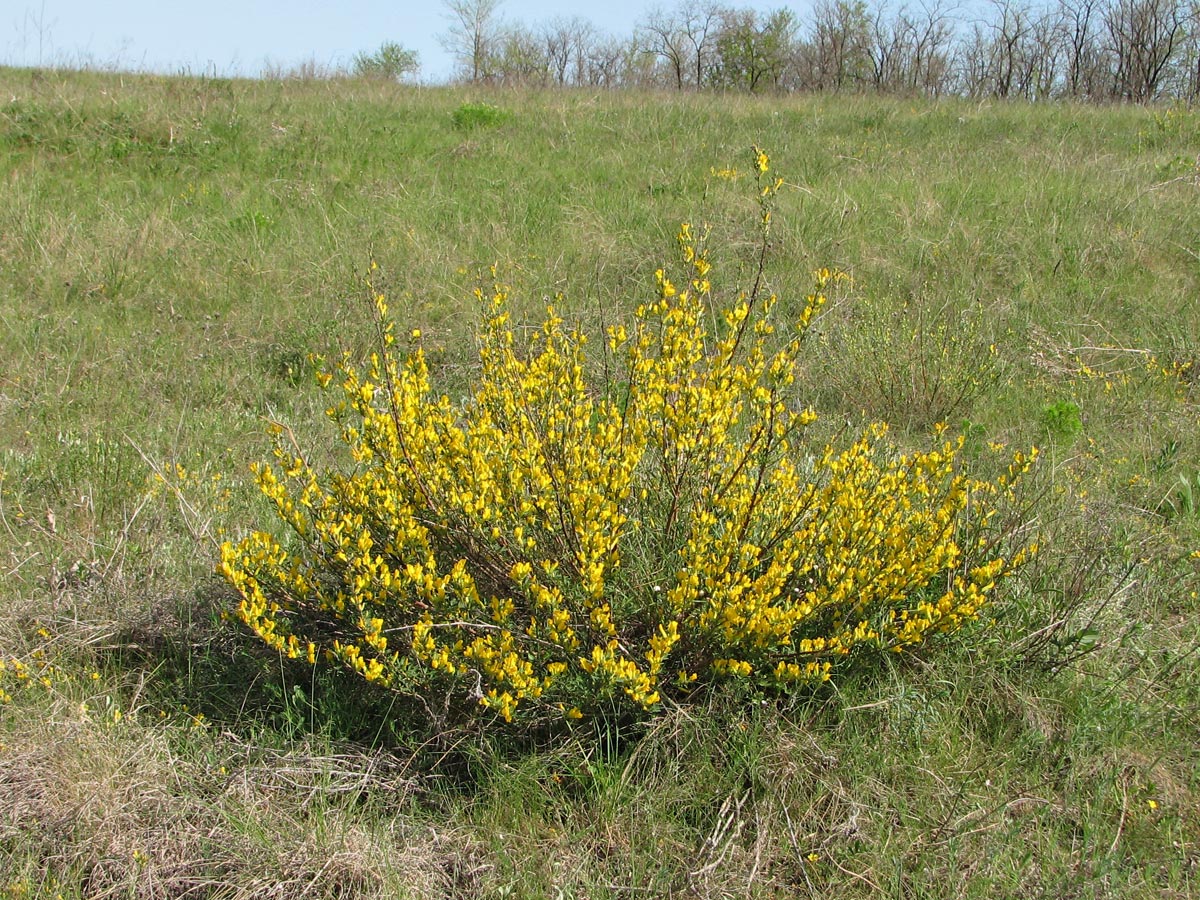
<point x="552" y="545"/>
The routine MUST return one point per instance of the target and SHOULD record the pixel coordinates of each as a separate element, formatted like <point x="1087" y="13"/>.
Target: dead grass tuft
<point x="132" y="810"/>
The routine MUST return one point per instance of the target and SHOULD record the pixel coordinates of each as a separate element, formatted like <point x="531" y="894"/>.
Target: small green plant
<point x="477" y="115"/>
<point x="553" y="547"/>
<point x="974" y="438"/>
<point x="1184" y="499"/>
<point x="1166" y="456"/>
<point x="1062" y="419"/>
<point x="391" y="62"/>
<point x="252" y="222"/>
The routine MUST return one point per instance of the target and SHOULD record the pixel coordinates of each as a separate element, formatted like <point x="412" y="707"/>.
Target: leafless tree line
<point x="1097" y="50"/>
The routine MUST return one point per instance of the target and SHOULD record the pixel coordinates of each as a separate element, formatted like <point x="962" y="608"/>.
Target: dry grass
<point x="118" y="809"/>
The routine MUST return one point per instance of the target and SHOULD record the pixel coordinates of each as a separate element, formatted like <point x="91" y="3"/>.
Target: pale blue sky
<point x="236" y="37"/>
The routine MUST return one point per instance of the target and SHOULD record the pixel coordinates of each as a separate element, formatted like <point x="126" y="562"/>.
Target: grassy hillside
<point x="173" y="250"/>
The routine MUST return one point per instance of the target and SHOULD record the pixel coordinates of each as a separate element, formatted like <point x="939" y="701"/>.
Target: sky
<point x="231" y="38"/>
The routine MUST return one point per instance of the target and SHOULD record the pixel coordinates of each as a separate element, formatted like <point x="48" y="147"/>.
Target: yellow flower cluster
<point x="551" y="544"/>
<point x="37" y="670"/>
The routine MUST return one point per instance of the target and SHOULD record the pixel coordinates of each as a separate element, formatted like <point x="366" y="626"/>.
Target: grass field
<point x="173" y="250"/>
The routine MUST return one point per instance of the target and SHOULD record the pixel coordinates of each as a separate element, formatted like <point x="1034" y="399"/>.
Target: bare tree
<point x="1190" y="82"/>
<point x="604" y="62"/>
<point x="972" y="62"/>
<point x="884" y="50"/>
<point x="473" y="34"/>
<point x="1082" y="55"/>
<point x="1045" y="52"/>
<point x="840" y="44"/>
<point x="700" y="22"/>
<point x="1014" y="54"/>
<point x="566" y="44"/>
<point x="1144" y="35"/>
<point x="911" y="52"/>
<point x="1008" y="62"/>
<point x="665" y="38"/>
<point x="932" y="38"/>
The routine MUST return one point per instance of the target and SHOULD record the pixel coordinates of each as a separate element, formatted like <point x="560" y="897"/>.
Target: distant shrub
<point x="477" y="115"/>
<point x="908" y="363"/>
<point x="555" y="545"/>
<point x="391" y="62"/>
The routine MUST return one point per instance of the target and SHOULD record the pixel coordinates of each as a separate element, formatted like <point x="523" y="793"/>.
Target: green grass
<point x="171" y="252"/>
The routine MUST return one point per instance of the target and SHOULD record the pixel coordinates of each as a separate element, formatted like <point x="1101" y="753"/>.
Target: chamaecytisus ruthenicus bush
<point x="552" y="546"/>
